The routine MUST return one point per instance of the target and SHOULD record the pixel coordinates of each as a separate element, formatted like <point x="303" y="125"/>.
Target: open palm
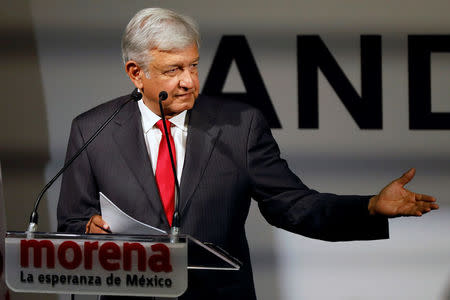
<point x="394" y="200"/>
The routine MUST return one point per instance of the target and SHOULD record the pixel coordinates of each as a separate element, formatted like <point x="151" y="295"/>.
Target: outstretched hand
<point x="395" y="201"/>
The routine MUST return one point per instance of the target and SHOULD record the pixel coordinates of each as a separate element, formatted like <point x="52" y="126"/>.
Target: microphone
<point x="162" y="96"/>
<point x="32" y="227"/>
<point x="175" y="228"/>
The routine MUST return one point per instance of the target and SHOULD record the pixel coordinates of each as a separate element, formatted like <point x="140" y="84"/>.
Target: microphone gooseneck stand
<point x="175" y="228"/>
<point x="34" y="217"/>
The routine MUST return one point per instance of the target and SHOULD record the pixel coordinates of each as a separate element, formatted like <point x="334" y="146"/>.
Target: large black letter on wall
<point x="419" y="62"/>
<point x="313" y="54"/>
<point x="236" y="47"/>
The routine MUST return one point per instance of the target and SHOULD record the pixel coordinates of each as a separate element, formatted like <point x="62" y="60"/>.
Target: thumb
<point x="98" y="221"/>
<point x="407" y="177"/>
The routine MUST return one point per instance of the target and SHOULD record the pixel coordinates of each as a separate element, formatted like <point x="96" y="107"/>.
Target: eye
<point x="193" y="67"/>
<point x="172" y="71"/>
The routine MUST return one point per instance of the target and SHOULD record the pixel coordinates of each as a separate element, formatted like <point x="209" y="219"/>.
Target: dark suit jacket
<point x="231" y="157"/>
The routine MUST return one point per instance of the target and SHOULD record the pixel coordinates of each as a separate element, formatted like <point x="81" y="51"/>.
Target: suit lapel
<point x="201" y="139"/>
<point x="129" y="138"/>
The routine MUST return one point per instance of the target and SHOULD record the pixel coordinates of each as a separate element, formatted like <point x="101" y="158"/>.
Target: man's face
<point x="176" y="73"/>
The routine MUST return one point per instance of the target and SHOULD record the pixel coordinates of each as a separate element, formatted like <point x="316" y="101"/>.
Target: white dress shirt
<point x="153" y="135"/>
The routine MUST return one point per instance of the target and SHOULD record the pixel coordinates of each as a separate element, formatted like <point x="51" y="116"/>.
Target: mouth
<point x="185" y="95"/>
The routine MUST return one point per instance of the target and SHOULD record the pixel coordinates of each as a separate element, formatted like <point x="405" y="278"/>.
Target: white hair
<point x="157" y="28"/>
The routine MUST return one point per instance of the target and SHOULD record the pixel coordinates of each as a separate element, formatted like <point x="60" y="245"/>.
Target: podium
<point x="108" y="264"/>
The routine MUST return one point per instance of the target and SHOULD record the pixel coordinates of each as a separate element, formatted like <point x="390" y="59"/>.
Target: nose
<point x="186" y="80"/>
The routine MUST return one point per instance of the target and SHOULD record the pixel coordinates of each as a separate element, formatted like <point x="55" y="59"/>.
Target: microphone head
<point x="136" y="95"/>
<point x="163" y="95"/>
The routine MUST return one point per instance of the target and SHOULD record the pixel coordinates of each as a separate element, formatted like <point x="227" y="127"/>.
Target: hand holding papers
<point x="206" y="255"/>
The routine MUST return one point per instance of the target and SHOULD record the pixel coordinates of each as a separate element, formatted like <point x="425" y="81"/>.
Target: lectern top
<point x="182" y="238"/>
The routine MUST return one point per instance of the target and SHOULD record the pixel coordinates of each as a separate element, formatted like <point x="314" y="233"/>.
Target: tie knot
<point x="160" y="125"/>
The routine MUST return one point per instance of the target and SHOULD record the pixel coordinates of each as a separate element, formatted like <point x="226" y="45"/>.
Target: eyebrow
<point x="177" y="65"/>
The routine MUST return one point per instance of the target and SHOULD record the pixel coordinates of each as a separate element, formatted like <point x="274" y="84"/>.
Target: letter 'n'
<point x="313" y="55"/>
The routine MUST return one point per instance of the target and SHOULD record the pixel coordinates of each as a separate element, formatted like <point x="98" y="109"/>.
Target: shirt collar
<point x="149" y="118"/>
<point x="180" y="120"/>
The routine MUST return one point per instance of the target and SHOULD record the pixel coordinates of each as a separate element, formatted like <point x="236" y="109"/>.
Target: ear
<point x="135" y="73"/>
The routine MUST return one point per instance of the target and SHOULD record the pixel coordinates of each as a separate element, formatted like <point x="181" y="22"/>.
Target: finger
<point x="97" y="225"/>
<point x="406" y="177"/>
<point x="434" y="206"/>
<point x="423" y="197"/>
<point x="99" y="222"/>
<point x="95" y="229"/>
<point x="88" y="226"/>
<point x="425" y="207"/>
<point x="417" y="209"/>
<point x="102" y="229"/>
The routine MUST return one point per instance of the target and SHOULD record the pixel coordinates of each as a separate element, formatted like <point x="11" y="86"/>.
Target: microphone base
<point x="32" y="228"/>
<point x="174" y="231"/>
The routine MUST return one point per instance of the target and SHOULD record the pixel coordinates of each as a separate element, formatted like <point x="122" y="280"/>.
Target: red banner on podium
<point x="96" y="264"/>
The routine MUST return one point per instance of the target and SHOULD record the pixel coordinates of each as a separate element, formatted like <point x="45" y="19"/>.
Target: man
<point x="225" y="155"/>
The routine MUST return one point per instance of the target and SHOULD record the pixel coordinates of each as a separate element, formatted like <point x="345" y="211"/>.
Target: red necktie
<point x="164" y="175"/>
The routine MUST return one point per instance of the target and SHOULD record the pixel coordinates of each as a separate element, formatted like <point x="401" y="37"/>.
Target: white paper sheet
<point x="120" y="222"/>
